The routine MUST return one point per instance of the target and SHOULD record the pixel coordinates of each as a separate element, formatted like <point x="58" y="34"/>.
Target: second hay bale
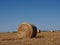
<point x="27" y="30"/>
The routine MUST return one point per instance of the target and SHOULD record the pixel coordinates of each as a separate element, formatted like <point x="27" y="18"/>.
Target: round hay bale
<point x="27" y="30"/>
<point x="52" y="31"/>
<point x="38" y="31"/>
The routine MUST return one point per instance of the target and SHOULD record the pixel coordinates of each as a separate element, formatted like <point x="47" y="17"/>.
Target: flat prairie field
<point x="42" y="38"/>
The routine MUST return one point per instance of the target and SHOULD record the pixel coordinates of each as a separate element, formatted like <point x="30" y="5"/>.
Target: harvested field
<point x="43" y="38"/>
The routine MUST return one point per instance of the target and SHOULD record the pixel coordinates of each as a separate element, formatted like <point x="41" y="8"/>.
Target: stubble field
<point x="42" y="38"/>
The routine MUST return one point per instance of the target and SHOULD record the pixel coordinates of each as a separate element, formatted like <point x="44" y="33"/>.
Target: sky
<point x="45" y="14"/>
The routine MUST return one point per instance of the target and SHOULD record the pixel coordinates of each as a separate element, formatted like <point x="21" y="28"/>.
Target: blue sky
<point x="45" y="14"/>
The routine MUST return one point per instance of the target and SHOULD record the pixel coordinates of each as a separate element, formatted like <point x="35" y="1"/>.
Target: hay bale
<point x="27" y="30"/>
<point x="38" y="31"/>
<point x="52" y="31"/>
